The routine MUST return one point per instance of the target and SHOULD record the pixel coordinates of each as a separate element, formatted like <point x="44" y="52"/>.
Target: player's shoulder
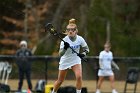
<point x="65" y="38"/>
<point x="110" y="52"/>
<point x="80" y="37"/>
<point x="102" y="52"/>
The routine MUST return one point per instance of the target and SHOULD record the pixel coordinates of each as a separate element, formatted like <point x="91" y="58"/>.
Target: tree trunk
<point x="57" y="18"/>
<point x="83" y="21"/>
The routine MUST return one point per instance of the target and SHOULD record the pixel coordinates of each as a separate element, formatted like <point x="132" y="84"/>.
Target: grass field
<point x="90" y="84"/>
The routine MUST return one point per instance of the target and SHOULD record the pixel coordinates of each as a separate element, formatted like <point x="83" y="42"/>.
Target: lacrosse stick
<point x="49" y="28"/>
<point x="1" y="67"/>
<point x="9" y="69"/>
<point x="4" y="71"/>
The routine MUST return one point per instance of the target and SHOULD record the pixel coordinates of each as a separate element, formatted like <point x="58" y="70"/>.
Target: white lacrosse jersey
<point x="70" y="58"/>
<point x="105" y="59"/>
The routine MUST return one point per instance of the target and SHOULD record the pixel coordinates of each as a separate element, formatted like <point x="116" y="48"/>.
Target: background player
<point x="105" y="62"/>
<point x="69" y="59"/>
<point x="24" y="64"/>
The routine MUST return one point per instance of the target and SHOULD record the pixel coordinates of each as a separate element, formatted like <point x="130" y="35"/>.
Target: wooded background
<point x="25" y="19"/>
<point x="117" y="21"/>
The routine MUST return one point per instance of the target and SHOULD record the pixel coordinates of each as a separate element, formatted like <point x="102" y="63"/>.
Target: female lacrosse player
<point x="69" y="59"/>
<point x="105" y="61"/>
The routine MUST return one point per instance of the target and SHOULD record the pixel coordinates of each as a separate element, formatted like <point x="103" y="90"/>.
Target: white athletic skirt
<point x="68" y="63"/>
<point x="103" y="72"/>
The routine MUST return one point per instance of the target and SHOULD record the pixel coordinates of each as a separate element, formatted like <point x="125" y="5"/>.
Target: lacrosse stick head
<point x="9" y="69"/>
<point x="50" y="28"/>
<point x="6" y="64"/>
<point x="1" y="66"/>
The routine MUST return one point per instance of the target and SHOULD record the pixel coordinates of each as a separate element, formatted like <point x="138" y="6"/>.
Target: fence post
<point x="46" y="70"/>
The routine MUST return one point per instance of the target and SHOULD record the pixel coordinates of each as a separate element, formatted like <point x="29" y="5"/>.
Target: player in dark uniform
<point x="24" y="65"/>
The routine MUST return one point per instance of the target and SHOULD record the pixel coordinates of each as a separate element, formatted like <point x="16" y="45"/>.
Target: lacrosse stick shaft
<point x="0" y="73"/>
<point x="9" y="69"/>
<point x="7" y="78"/>
<point x="4" y="72"/>
<point x="1" y="69"/>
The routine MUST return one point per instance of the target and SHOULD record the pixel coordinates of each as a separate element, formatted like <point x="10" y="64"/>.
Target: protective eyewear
<point x="71" y="29"/>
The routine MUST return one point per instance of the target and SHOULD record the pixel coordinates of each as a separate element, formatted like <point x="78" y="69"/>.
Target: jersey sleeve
<point x="111" y="56"/>
<point x="101" y="55"/>
<point x="83" y="42"/>
<point x="100" y="60"/>
<point x="61" y="45"/>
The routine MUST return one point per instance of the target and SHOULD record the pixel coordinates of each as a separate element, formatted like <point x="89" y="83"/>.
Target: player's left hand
<point x="81" y="55"/>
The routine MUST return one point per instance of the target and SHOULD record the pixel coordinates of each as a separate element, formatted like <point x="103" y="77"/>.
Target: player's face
<point x="71" y="30"/>
<point x="23" y="46"/>
<point x="107" y="47"/>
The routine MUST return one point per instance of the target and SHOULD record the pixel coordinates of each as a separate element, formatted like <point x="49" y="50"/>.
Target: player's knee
<point x="79" y="77"/>
<point x="60" y="81"/>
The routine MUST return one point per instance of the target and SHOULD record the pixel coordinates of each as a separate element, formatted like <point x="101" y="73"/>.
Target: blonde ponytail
<point x="72" y="21"/>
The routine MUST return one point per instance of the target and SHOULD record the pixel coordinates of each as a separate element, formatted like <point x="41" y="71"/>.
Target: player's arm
<point x="101" y="60"/>
<point x="115" y="65"/>
<point x="84" y="47"/>
<point x="85" y="51"/>
<point x="63" y="50"/>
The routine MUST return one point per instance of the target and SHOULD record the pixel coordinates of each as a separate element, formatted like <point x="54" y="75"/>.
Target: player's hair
<point x="72" y="22"/>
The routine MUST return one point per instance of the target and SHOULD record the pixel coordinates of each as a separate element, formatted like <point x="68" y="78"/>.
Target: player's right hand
<point x="66" y="45"/>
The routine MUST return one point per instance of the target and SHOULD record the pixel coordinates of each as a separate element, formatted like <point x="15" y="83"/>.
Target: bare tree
<point x="83" y="21"/>
<point x="57" y="21"/>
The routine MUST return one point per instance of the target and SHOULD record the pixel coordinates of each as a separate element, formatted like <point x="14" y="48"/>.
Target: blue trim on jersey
<point x="74" y="47"/>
